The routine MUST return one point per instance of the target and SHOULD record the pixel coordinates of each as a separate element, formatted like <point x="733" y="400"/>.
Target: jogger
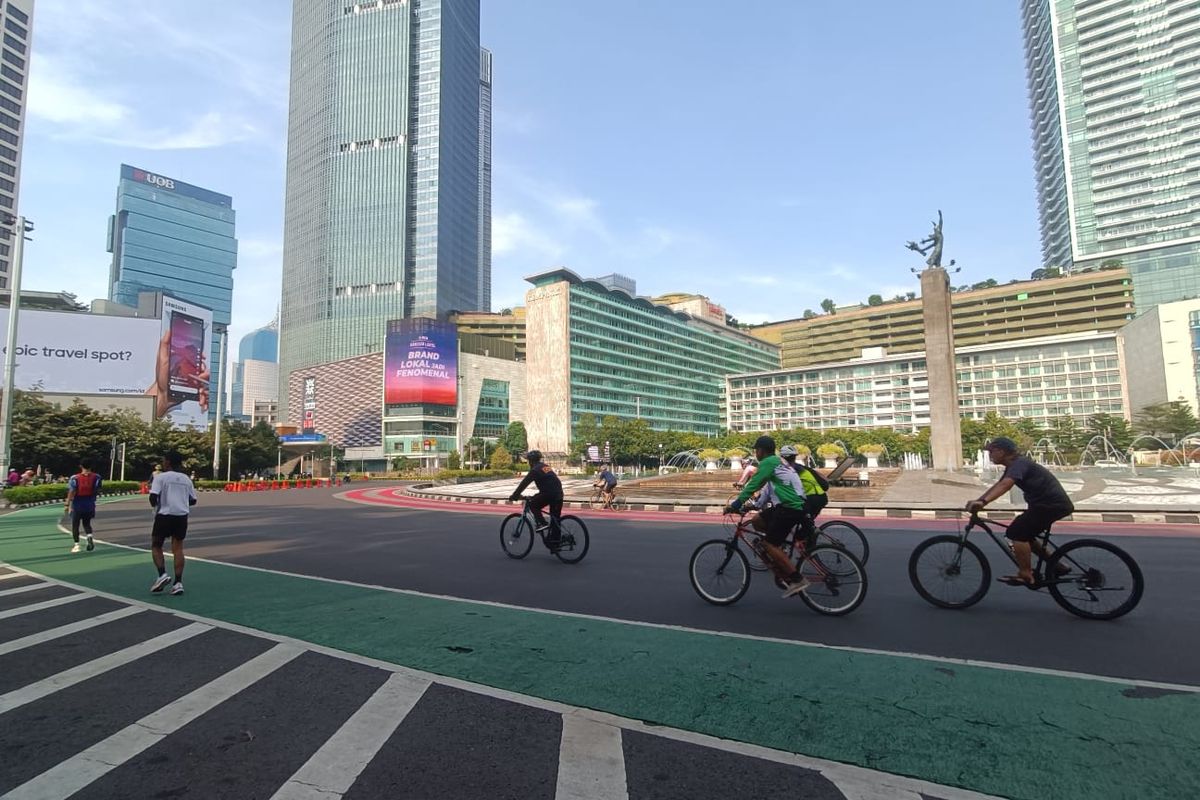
<point x="172" y="494"/>
<point x="82" y="491"/>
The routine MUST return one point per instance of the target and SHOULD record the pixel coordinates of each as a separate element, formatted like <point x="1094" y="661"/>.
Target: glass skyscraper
<point x="388" y="166"/>
<point x="16" y="17"/>
<point x="256" y="371"/>
<point x="171" y="237"/>
<point x="1114" y="89"/>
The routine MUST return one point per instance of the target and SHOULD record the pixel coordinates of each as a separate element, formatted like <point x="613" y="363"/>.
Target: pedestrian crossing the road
<point x="105" y="698"/>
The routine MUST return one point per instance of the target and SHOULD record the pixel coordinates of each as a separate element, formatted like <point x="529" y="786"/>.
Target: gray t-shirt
<point x="1037" y="483"/>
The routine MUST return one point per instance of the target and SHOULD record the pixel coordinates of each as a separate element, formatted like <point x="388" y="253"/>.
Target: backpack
<point x="85" y="484"/>
<point x="820" y="479"/>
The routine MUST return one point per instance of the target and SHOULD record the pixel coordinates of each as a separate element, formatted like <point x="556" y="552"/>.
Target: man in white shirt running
<point x="172" y="495"/>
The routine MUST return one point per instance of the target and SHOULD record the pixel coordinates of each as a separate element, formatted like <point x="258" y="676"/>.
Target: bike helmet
<point x="534" y="456"/>
<point x="788" y="451"/>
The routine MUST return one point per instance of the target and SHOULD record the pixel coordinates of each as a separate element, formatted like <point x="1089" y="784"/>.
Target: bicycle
<point x="834" y="532"/>
<point x="600" y="502"/>
<point x="720" y="572"/>
<point x="517" y="532"/>
<point x="951" y="572"/>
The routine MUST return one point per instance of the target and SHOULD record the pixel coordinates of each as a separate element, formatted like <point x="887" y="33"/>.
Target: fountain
<point x="913" y="461"/>
<point x="1045" y="452"/>
<point x="1110" y="456"/>
<point x="1179" y="462"/>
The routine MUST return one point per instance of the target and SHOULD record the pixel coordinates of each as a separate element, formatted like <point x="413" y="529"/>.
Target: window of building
<point x="18" y="14"/>
<point x="10" y="90"/>
<point x="13" y="58"/>
<point x="16" y="28"/>
<point x="11" y="73"/>
<point x="14" y="43"/>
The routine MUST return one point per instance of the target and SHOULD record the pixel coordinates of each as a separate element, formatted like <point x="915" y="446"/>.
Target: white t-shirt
<point x="175" y="491"/>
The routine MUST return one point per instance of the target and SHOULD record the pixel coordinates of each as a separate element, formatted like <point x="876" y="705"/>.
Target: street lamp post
<point x="19" y="226"/>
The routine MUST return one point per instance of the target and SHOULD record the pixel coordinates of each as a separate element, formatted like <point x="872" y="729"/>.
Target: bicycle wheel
<point x="846" y="535"/>
<point x="719" y="572"/>
<point x="619" y="503"/>
<point x="838" y="581"/>
<point x="949" y="572"/>
<point x="574" y="540"/>
<point x="516" y="535"/>
<point x="596" y="502"/>
<point x="1104" y="581"/>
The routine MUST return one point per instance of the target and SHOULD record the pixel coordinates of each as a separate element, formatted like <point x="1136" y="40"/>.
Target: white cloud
<point x="212" y="129"/>
<point x="55" y="97"/>
<point x="513" y="233"/>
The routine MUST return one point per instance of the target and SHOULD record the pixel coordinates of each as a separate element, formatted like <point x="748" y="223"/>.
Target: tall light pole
<point x="19" y="226"/>
<point x="217" y="424"/>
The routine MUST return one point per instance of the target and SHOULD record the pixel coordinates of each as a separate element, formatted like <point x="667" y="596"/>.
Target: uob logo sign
<point x="153" y="180"/>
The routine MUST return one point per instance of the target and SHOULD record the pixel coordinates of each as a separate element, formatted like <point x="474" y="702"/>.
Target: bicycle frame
<point x="1044" y="538"/>
<point x="527" y="512"/>
<point x="795" y="548"/>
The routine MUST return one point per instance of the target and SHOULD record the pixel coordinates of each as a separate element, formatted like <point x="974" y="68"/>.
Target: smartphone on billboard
<point x="187" y="357"/>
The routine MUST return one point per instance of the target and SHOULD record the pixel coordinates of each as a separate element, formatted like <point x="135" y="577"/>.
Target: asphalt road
<point x="637" y="570"/>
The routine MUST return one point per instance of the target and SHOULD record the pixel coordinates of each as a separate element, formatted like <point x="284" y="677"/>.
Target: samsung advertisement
<point x="420" y="363"/>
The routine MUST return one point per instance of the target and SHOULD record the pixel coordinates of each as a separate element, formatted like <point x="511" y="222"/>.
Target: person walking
<point x="82" y="490"/>
<point x="172" y="494"/>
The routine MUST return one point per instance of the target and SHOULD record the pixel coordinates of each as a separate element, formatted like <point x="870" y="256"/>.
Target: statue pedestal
<point x="945" y="432"/>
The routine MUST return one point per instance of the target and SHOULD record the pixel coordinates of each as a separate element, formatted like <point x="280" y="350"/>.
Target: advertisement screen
<point x="65" y="353"/>
<point x="420" y="363"/>
<point x="183" y="374"/>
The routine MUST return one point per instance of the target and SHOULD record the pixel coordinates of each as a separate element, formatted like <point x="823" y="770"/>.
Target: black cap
<point x="533" y="456"/>
<point x="1001" y="443"/>
<point x="765" y="443"/>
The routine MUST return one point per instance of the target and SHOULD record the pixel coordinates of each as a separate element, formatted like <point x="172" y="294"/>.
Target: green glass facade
<point x="632" y="359"/>
<point x="492" y="416"/>
<point x="1115" y="99"/>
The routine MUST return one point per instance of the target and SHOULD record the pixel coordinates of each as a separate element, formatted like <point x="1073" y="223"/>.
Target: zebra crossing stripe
<point x="33" y="587"/>
<point x="7" y="575"/>
<point x="332" y="770"/>
<point x="591" y="763"/>
<point x="70" y="677"/>
<point x="67" y="630"/>
<point x="29" y="609"/>
<point x="855" y="788"/>
<point x="69" y="776"/>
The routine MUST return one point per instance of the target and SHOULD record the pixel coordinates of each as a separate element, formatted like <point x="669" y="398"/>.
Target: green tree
<point x="454" y="460"/>
<point x="1180" y="421"/>
<point x="828" y="306"/>
<point x="1152" y="420"/>
<point x="809" y="313"/>
<point x="1066" y="435"/>
<point x="1117" y="429"/>
<point x="501" y="458"/>
<point x="515" y="439"/>
<point x="875" y="300"/>
<point x="1111" y="263"/>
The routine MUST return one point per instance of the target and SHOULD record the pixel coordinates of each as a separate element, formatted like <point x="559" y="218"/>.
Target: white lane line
<point x="859" y="788"/>
<point x="591" y="763"/>
<point x="7" y="575"/>
<point x="58" y="601"/>
<point x="68" y="777"/>
<point x="67" y="630"/>
<point x="332" y="770"/>
<point x="30" y="588"/>
<point x="98" y="666"/>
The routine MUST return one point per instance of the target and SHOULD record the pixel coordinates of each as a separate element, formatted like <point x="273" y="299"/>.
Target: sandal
<point x="1014" y="580"/>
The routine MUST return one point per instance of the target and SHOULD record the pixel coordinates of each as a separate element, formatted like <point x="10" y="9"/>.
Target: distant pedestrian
<point x="82" y="490"/>
<point x="172" y="495"/>
<point x="14" y="477"/>
<point x="27" y="477"/>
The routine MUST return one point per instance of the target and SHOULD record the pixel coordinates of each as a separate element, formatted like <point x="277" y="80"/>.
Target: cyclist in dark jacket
<point x="550" y="493"/>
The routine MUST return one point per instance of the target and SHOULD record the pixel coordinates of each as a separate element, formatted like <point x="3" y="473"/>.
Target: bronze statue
<point x="931" y="245"/>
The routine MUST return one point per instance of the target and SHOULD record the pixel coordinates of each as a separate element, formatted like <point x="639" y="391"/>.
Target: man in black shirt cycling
<point x="1045" y="497"/>
<point x="550" y="493"/>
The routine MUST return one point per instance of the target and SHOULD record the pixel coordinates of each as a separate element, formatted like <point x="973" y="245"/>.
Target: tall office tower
<point x="382" y="208"/>
<point x="256" y="372"/>
<point x="16" y="16"/>
<point x="1114" y="88"/>
<point x="169" y="236"/>
<point x="485" y="181"/>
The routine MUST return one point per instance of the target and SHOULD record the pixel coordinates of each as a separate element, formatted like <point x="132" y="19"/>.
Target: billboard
<point x="154" y="181"/>
<point x="420" y="363"/>
<point x="182" y="372"/>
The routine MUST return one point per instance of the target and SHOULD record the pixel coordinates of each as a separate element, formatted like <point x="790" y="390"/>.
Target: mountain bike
<point x="600" y="502"/>
<point x="1091" y="578"/>
<point x="518" y="530"/>
<point x="720" y="572"/>
<point x="834" y="532"/>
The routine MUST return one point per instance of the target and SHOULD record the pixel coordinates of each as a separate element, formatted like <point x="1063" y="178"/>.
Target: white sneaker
<point x="177" y="588"/>
<point x="77" y="548"/>
<point x="160" y="583"/>
<point x="796" y="588"/>
<point x="91" y="545"/>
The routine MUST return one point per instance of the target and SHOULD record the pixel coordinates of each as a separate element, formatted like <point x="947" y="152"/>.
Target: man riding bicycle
<point x="550" y="493"/>
<point x="606" y="481"/>
<point x="787" y="493"/>
<point x="1045" y="497"/>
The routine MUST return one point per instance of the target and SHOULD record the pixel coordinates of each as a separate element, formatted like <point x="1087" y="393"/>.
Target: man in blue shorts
<point x="82" y="490"/>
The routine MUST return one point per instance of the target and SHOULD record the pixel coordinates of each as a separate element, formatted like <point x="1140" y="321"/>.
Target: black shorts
<point x="168" y="526"/>
<point x="1033" y="521"/>
<point x="780" y="521"/>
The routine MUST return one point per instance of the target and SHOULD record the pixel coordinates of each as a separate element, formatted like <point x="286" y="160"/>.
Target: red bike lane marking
<point x="397" y="498"/>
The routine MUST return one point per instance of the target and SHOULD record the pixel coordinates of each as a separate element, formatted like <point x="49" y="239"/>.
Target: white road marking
<point x="67" y="630"/>
<point x="332" y="770"/>
<point x="4" y="576"/>
<point x="29" y="609"/>
<point x="98" y="666"/>
<point x="857" y="788"/>
<point x="591" y="763"/>
<point x="69" y="776"/>
<point x="30" y="588"/>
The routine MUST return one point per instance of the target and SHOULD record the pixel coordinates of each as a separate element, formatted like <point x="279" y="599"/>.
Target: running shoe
<point x="160" y="584"/>
<point x="91" y="544"/>
<point x="177" y="588"/>
<point x="796" y="588"/>
<point x="77" y="548"/>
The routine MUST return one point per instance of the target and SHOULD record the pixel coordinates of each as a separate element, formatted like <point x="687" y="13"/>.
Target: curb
<point x="103" y="497"/>
<point x="1136" y="517"/>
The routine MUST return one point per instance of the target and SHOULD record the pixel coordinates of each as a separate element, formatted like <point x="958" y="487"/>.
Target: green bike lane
<point x="1014" y="733"/>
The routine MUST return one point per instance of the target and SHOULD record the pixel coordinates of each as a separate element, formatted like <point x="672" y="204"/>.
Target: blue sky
<point x="766" y="154"/>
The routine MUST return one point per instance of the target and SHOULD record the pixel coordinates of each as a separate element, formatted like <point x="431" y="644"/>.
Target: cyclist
<point x="788" y="510"/>
<point x="1045" y="497"/>
<point x="815" y="496"/>
<point x="607" y="482"/>
<point x="747" y="473"/>
<point x="550" y="493"/>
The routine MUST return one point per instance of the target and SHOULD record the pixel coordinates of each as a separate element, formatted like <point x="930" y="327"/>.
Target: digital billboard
<point x="420" y="365"/>
<point x="182" y="372"/>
